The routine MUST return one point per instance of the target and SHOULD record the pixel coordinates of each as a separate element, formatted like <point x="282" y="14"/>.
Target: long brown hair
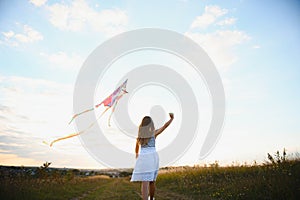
<point x="146" y="131"/>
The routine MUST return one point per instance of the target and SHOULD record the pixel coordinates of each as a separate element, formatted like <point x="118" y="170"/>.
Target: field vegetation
<point x="277" y="178"/>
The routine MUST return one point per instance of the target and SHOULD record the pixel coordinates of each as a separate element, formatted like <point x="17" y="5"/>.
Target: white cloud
<point x="64" y="61"/>
<point x="211" y="13"/>
<point x="8" y="34"/>
<point x="215" y="10"/>
<point x="220" y="45"/>
<point x="79" y="15"/>
<point x="28" y="35"/>
<point x="227" y="21"/>
<point x="38" y="3"/>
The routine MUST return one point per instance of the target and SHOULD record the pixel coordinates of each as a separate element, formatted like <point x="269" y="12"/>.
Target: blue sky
<point x="254" y="45"/>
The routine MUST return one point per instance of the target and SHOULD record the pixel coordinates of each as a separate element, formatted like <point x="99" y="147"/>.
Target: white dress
<point x="147" y="163"/>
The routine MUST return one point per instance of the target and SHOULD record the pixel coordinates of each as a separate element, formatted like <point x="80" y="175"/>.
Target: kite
<point x="110" y="102"/>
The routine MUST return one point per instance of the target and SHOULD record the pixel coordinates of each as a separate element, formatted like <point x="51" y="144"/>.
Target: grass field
<point x="276" y="180"/>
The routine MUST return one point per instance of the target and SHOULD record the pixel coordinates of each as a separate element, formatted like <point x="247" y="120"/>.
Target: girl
<point x="147" y="163"/>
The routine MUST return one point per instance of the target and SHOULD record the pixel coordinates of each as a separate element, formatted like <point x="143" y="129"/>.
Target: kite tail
<point x="76" y="115"/>
<point x="92" y="124"/>
<point x="63" y="138"/>
<point x="114" y="107"/>
<point x="80" y="132"/>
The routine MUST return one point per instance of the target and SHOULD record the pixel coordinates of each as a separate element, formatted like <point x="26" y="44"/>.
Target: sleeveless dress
<point x="147" y="163"/>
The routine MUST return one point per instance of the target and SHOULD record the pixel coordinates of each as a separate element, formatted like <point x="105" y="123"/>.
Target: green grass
<point x="272" y="181"/>
<point x="245" y="182"/>
<point x="59" y="188"/>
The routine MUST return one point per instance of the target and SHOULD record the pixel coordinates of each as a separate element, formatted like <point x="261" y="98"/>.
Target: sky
<point x="253" y="44"/>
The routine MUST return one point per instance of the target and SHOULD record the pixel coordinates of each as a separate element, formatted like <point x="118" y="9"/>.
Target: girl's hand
<point x="171" y="115"/>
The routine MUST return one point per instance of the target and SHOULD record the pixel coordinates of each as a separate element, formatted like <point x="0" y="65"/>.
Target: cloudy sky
<point x="43" y="44"/>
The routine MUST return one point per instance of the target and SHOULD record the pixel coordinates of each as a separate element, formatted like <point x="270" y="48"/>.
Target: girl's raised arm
<point x="160" y="130"/>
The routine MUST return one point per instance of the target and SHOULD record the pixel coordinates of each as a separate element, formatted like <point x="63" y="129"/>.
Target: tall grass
<point x="52" y="187"/>
<point x="277" y="179"/>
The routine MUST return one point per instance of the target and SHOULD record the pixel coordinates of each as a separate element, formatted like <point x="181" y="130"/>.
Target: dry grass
<point x="278" y="179"/>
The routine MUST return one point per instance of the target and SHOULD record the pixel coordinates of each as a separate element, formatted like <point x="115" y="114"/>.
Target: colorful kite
<point x="110" y="102"/>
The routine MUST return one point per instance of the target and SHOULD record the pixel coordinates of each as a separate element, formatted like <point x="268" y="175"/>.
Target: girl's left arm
<point x="137" y="146"/>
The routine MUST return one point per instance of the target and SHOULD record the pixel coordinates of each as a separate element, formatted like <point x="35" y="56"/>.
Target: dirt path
<point x="120" y="188"/>
<point x="84" y="195"/>
<point x="113" y="189"/>
<point x="168" y="195"/>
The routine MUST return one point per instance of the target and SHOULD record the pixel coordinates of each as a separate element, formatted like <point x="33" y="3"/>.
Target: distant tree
<point x="76" y="171"/>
